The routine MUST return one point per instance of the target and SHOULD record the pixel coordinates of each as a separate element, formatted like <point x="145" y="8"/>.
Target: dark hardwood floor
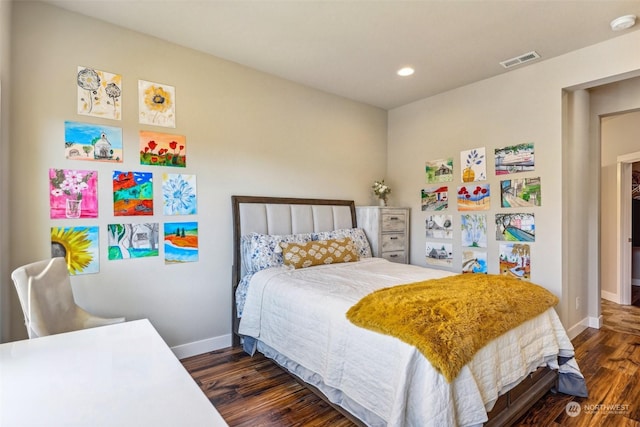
<point x="253" y="391"/>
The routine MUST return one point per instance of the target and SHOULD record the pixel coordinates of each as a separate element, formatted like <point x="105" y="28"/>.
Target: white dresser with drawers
<point x="387" y="229"/>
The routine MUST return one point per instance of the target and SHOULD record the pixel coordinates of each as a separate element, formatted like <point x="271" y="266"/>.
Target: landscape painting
<point x="518" y="193"/>
<point x="180" y="242"/>
<point x="475" y="197"/>
<point x="132" y="240"/>
<point x="84" y="141"/>
<point x="439" y="226"/>
<point x="439" y="170"/>
<point x="438" y="253"/>
<point x="515" y="260"/>
<point x="514" y="159"/>
<point x="179" y="194"/>
<point x="474" y="230"/>
<point x="434" y="198"/>
<point x="79" y="246"/>
<point x="163" y="149"/>
<point x="474" y="262"/>
<point x="132" y="193"/>
<point x="73" y="193"/>
<point x="517" y="227"/>
<point x="99" y="93"/>
<point x="156" y="104"/>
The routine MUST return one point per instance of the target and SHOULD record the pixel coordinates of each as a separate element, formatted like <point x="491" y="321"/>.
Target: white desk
<point x="120" y="375"/>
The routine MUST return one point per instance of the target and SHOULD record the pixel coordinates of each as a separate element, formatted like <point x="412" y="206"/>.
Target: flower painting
<point x="179" y="194"/>
<point x="133" y="240"/>
<point x="83" y="141"/>
<point x="99" y="93"/>
<point x="515" y="260"/>
<point x="180" y="242"/>
<point x="474" y="165"/>
<point x="73" y="193"/>
<point x="439" y="170"/>
<point x="474" y="197"/>
<point x="162" y="149"/>
<point x="156" y="104"/>
<point x="78" y="246"/>
<point x="132" y="193"/>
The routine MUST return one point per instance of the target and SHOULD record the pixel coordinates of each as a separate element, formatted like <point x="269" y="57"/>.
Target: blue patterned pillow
<point x="260" y="251"/>
<point x="356" y="234"/>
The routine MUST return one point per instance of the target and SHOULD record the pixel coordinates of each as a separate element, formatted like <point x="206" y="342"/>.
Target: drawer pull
<point x="393" y="218"/>
<point x="393" y="256"/>
<point x="393" y="238"/>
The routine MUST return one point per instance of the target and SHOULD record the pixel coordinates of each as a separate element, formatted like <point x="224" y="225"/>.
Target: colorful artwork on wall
<point x="132" y="193"/>
<point x="517" y="227"/>
<point x="180" y="242"/>
<point x="99" y="93"/>
<point x="474" y="165"/>
<point x="515" y="260"/>
<point x="474" y="262"/>
<point x="435" y="198"/>
<point x="474" y="197"/>
<point x="79" y="246"/>
<point x="438" y="253"/>
<point x="439" y="170"/>
<point x="474" y="230"/>
<point x="73" y="193"/>
<point x="179" y="194"/>
<point x="514" y="159"/>
<point x="163" y="149"/>
<point x="133" y="240"/>
<point x="519" y="193"/>
<point x="439" y="226"/>
<point x="84" y="141"/>
<point x="156" y="104"/>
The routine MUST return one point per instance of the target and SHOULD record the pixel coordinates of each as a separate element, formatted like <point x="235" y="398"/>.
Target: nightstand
<point x="387" y="229"/>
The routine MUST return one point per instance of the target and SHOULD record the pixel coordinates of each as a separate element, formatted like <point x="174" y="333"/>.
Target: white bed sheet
<point x="301" y="314"/>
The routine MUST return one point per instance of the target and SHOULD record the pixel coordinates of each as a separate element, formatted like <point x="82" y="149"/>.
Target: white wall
<point x="522" y="105"/>
<point x="247" y="133"/>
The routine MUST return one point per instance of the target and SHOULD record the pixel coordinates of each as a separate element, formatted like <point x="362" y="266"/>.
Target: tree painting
<point x="474" y="230"/>
<point x="133" y="240"/>
<point x="180" y="242"/>
<point x="515" y="260"/>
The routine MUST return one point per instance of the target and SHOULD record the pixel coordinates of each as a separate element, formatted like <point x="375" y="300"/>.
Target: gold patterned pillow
<point x="318" y="252"/>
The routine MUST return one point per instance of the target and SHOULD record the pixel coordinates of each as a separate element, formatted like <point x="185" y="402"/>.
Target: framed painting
<point x="128" y="241"/>
<point x="73" y="193"/>
<point x="132" y="193"/>
<point x="179" y="194"/>
<point x="99" y="93"/>
<point x="156" y="104"/>
<point x="84" y="141"/>
<point x="79" y="246"/>
<point x="180" y="242"/>
<point x="162" y="149"/>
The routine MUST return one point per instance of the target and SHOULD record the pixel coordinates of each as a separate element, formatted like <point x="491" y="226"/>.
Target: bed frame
<point x="277" y="215"/>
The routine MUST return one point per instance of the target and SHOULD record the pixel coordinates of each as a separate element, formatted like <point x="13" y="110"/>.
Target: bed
<point x="297" y="318"/>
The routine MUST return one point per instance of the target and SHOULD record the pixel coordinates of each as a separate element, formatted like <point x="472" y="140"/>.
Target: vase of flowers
<point x="381" y="191"/>
<point x="70" y="184"/>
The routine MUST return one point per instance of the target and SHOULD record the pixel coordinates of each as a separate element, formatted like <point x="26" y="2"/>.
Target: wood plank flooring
<point x="256" y="392"/>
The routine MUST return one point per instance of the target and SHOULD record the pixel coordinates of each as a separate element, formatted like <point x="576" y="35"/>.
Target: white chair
<point x="46" y="297"/>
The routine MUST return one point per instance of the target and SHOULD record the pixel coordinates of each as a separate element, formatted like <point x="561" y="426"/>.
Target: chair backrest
<point x="46" y="297"/>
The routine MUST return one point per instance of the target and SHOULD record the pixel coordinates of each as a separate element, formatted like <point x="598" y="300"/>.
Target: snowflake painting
<point x="179" y="194"/>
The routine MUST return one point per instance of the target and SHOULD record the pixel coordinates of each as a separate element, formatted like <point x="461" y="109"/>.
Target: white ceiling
<point x="353" y="48"/>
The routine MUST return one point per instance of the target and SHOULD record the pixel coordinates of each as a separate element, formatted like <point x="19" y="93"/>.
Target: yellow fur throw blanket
<point x="450" y="319"/>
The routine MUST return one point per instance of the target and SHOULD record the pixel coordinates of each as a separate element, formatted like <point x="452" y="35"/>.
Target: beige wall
<point x="247" y="133"/>
<point x="523" y="105"/>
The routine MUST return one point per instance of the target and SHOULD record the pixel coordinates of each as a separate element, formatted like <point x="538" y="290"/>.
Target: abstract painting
<point x="518" y="193"/>
<point x="180" y="242"/>
<point x="517" y="227"/>
<point x="84" y="141"/>
<point x="132" y="193"/>
<point x="435" y="198"/>
<point x="163" y="149"/>
<point x="474" y="262"/>
<point x="133" y="240"/>
<point x="99" y="93"/>
<point x="73" y="193"/>
<point x="474" y="165"/>
<point x="439" y="170"/>
<point x="439" y="226"/>
<point x="438" y="253"/>
<point x="78" y="246"/>
<point x="156" y="104"/>
<point x="474" y="230"/>
<point x="179" y="194"/>
<point x="515" y="260"/>
<point x="514" y="159"/>
<point x="474" y="197"/>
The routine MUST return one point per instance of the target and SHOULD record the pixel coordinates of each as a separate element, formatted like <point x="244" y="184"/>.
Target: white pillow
<point x="356" y="234"/>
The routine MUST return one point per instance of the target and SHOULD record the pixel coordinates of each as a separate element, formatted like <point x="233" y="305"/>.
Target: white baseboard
<point x="576" y="329"/>
<point x="610" y="296"/>
<point x="203" y="346"/>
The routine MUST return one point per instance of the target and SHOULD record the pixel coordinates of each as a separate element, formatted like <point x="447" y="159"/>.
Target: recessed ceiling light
<point x="406" y="71"/>
<point x="623" y="22"/>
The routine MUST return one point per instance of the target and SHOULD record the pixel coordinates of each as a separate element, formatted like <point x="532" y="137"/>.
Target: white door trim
<point x="624" y="226"/>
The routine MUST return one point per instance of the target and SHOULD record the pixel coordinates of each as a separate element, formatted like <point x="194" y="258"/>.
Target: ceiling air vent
<point x="529" y="56"/>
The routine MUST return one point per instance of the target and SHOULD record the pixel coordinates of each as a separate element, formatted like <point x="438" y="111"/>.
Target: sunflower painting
<point x="156" y="104"/>
<point x="99" y="93"/>
<point x="78" y="246"/>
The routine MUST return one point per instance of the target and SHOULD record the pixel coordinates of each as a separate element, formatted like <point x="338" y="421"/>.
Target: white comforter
<point x="301" y="314"/>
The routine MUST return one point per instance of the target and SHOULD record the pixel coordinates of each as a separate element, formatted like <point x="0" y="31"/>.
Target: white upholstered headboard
<point x="277" y="215"/>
